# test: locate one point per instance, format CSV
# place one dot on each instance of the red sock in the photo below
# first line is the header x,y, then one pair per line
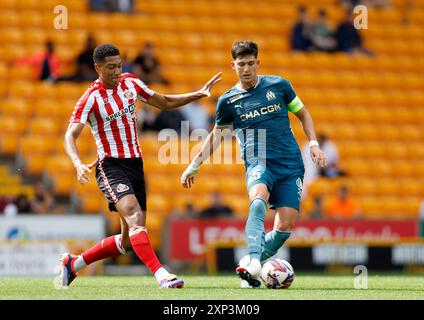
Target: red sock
x,y
107,248
142,247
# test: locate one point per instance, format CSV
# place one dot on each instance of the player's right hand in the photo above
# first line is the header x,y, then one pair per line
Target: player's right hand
x,y
187,178
82,170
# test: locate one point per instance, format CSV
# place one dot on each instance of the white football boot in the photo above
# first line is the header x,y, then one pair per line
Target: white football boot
x,y
249,270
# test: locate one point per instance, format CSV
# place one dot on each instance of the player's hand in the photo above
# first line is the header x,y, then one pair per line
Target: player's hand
x,y
82,170
318,157
187,178
206,90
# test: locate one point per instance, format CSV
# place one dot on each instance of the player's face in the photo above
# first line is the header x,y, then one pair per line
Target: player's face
x,y
246,69
110,70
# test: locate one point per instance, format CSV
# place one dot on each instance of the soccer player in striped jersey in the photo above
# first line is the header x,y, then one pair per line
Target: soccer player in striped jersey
x,y
257,109
108,107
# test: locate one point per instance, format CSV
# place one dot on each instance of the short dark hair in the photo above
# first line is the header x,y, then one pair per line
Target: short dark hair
x,y
241,49
104,50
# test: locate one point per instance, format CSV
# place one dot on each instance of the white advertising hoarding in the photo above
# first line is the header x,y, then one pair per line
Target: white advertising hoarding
x,y
32,245
52,227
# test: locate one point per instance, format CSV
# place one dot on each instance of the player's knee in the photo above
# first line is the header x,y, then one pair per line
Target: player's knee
x,y
136,219
285,226
133,214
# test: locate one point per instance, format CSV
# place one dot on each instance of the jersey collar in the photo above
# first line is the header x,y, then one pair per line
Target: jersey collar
x,y
239,88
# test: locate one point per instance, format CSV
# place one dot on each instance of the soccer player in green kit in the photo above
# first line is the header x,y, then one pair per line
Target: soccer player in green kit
x,y
256,108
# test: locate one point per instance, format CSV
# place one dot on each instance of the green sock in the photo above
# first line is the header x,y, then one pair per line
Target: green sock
x,y
255,227
273,241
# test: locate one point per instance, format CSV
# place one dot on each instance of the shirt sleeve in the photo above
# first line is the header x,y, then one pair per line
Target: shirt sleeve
x,y
293,102
222,117
83,108
144,93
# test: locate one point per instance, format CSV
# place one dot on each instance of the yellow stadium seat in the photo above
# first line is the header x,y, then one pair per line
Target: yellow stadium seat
x,y
92,203
403,169
35,163
16,108
371,207
411,187
9,19
12,125
7,4
375,150
362,187
411,133
415,151
60,164
39,145
9,144
62,183
46,127
89,188
386,187
158,183
157,203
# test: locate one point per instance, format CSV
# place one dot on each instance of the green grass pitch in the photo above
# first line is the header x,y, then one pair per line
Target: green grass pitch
x,y
223,287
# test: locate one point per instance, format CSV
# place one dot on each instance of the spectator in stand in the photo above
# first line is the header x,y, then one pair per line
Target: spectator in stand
x,y
45,63
196,115
300,36
343,206
85,65
188,212
322,37
348,38
146,66
217,209
332,170
112,5
146,118
44,201
21,205
170,119
350,4
126,64
317,211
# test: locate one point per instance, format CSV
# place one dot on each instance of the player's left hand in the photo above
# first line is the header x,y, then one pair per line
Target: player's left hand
x,y
318,157
206,90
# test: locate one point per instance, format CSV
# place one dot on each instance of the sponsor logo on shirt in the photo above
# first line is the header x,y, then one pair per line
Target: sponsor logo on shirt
x,y
261,111
120,113
235,98
128,94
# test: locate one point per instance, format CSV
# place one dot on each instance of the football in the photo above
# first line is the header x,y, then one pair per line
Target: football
x,y
277,274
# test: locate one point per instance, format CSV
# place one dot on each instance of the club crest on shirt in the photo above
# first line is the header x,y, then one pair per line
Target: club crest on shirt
x,y
128,94
270,95
105,100
122,187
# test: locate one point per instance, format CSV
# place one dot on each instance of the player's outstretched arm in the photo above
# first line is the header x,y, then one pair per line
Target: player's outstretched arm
x,y
211,143
71,136
171,101
317,155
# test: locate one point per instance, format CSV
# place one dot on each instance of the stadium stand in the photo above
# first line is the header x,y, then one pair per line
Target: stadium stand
x,y
371,107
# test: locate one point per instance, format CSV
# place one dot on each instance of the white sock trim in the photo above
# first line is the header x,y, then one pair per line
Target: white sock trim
x,y
135,230
79,263
161,274
118,242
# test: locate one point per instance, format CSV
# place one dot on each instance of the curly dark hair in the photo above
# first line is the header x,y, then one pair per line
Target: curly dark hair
x,y
104,50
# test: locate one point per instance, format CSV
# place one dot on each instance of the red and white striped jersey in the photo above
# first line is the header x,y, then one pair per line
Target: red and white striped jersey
x,y
111,114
